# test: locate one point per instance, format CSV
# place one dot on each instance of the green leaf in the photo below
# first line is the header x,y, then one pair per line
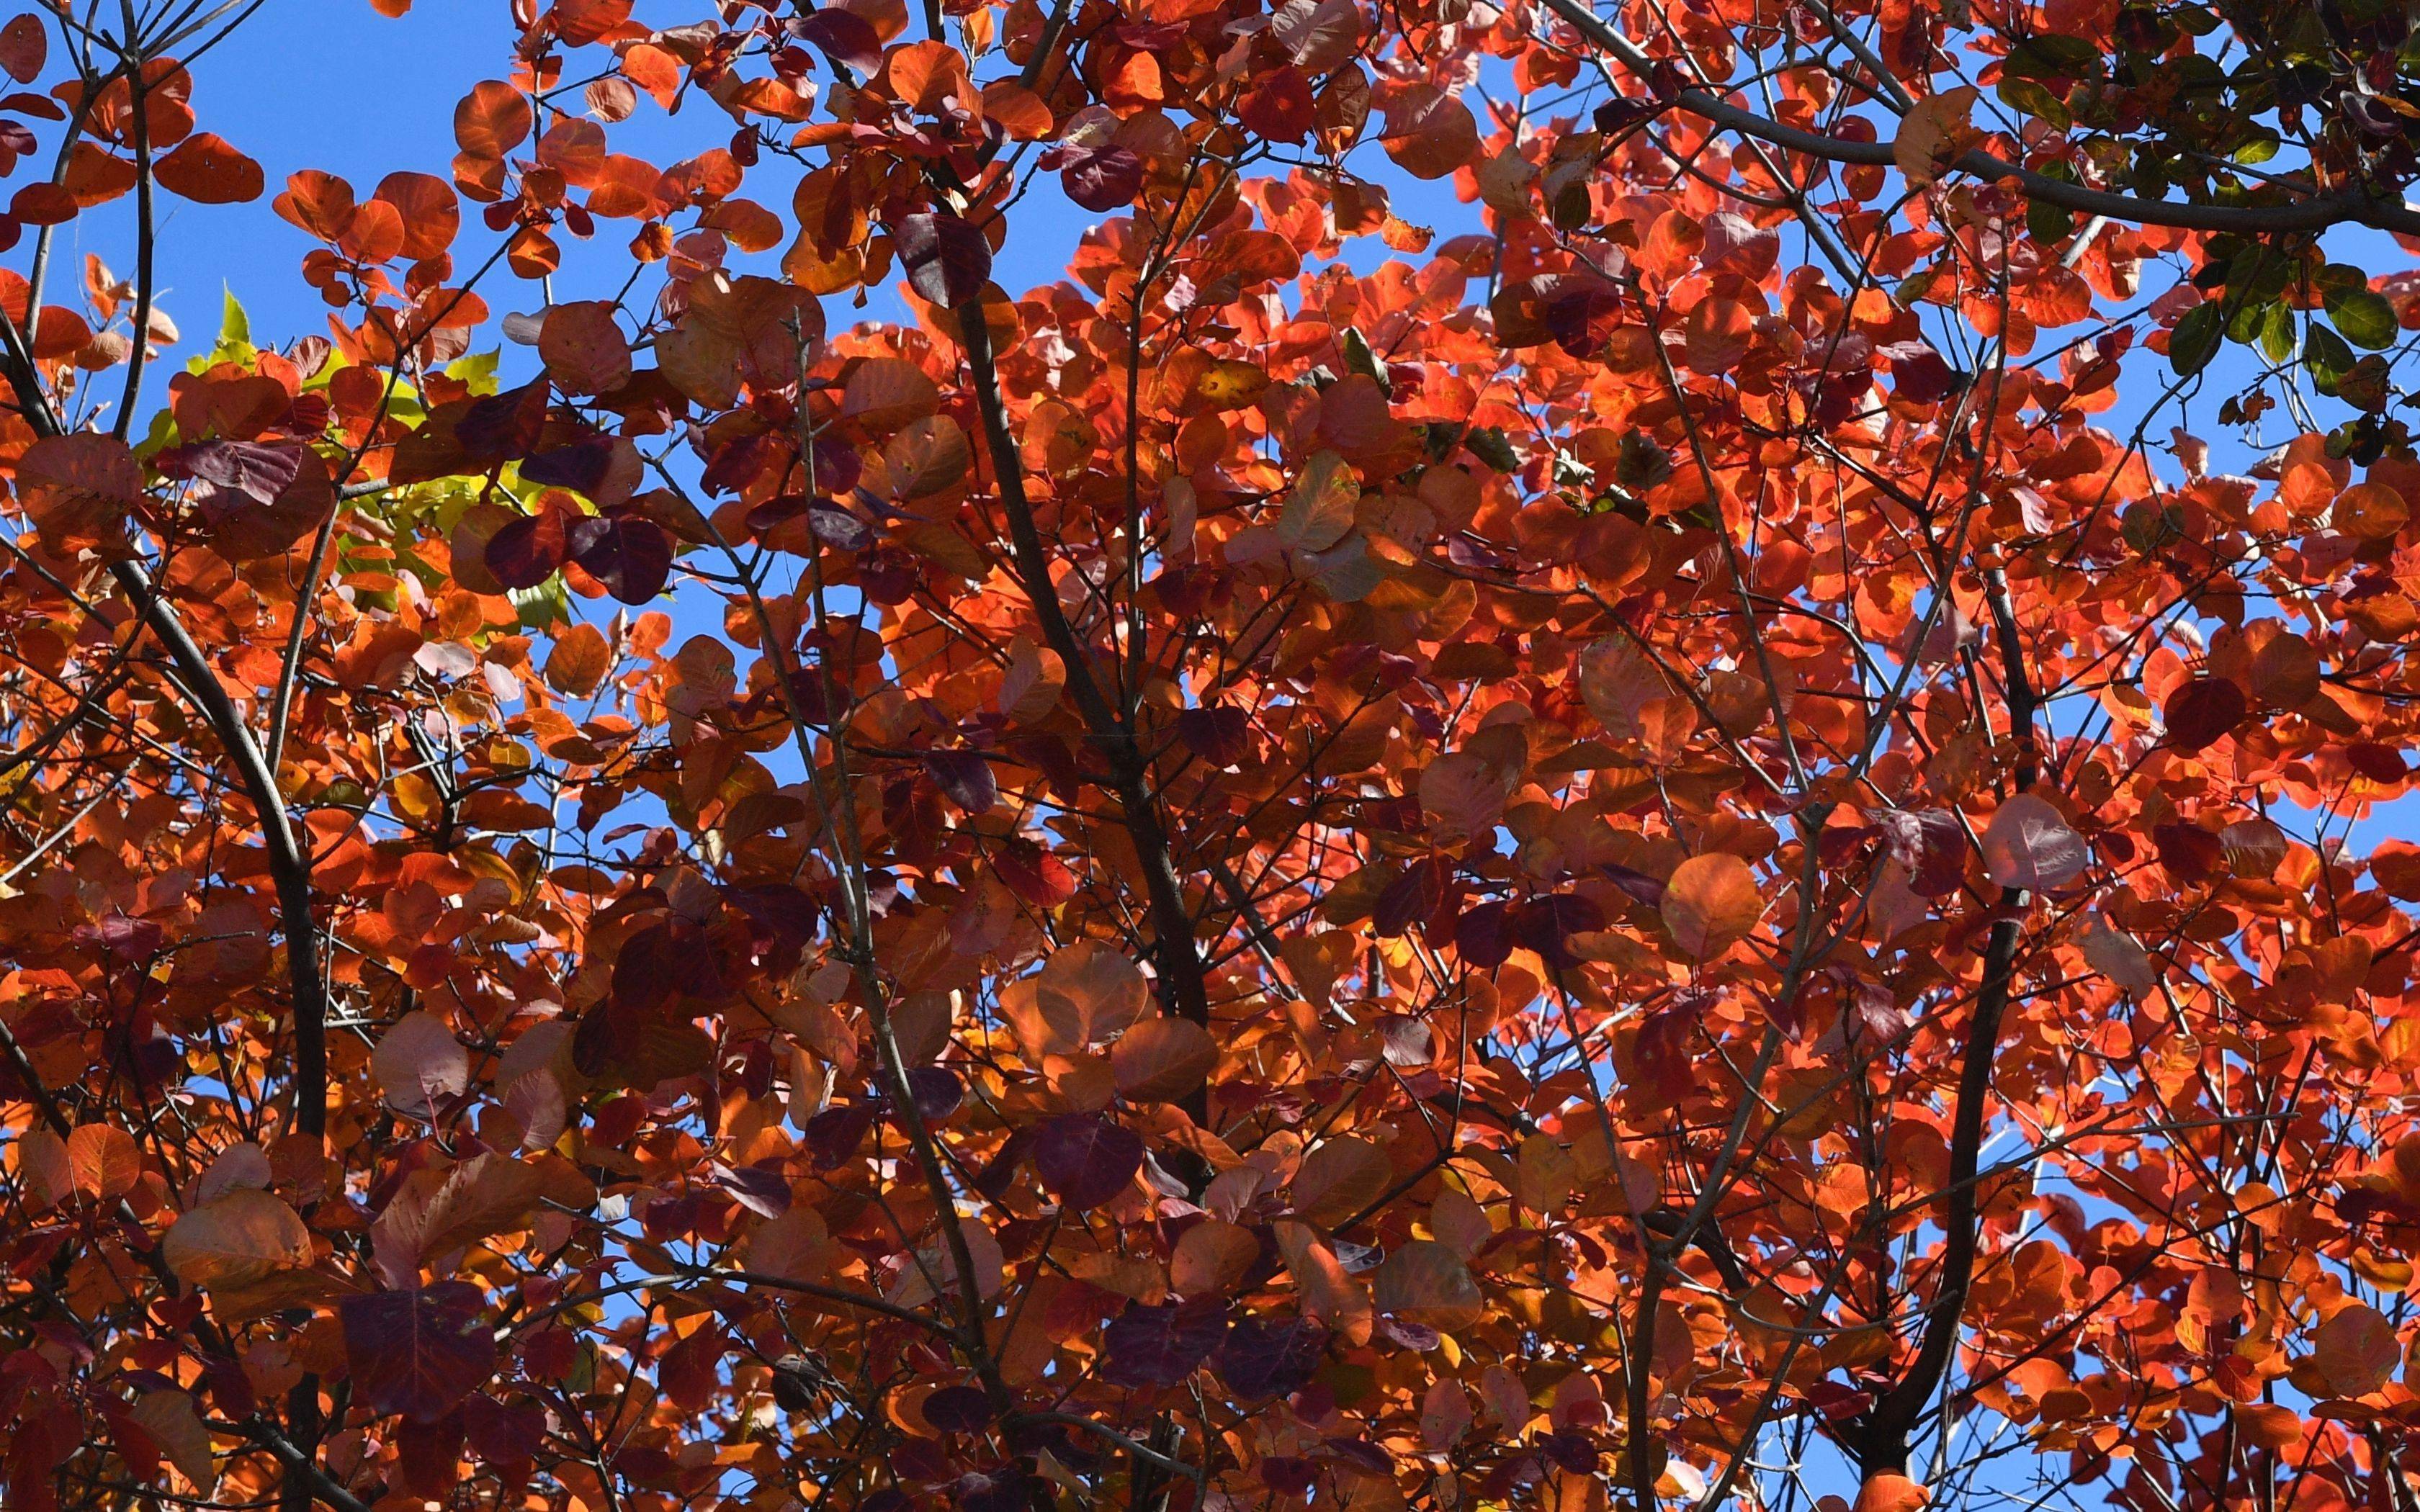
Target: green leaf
x,y
234,339
2277,341
2326,356
2047,223
2195,339
2365,316
235,327
2035,98
547,604
1359,357
1488,444
2046,56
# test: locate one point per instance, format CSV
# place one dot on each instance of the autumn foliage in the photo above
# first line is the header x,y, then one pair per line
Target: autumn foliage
x,y
1634,758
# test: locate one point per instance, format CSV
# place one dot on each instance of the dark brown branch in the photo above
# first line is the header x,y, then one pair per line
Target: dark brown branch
x,y
1882,1438
289,864
1183,984
2358,206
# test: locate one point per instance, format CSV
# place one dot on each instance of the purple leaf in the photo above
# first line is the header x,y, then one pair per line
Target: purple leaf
x,y
632,558
946,257
420,1351
1085,1159
1637,884
1546,925
936,1092
257,470
848,39
1161,1346
966,777
1929,843
580,464
833,1135
959,1410
1363,1456
1581,316
526,551
1483,936
764,1193
503,427
1100,179
1263,1359
1413,896
1218,735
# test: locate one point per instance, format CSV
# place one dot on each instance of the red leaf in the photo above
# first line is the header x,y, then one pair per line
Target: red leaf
x,y
23,48
420,1351
2204,712
945,256
632,558
207,170
1085,1161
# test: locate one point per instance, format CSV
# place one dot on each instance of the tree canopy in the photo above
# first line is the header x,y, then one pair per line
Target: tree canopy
x,y
1636,755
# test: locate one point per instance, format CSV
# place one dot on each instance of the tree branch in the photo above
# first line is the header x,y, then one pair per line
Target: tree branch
x,y
2354,206
1184,985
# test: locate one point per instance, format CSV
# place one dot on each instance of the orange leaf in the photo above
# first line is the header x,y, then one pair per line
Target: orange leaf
x,y
1711,903
207,170
104,1161
432,215
1891,1492
492,120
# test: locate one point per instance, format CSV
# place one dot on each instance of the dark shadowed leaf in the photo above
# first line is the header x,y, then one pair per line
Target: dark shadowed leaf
x,y
1217,733
420,1351
1259,1358
764,1193
1546,925
2204,712
937,1090
959,1410
945,258
1085,1161
1482,936
527,550
1160,1346
632,558
503,427
966,777
845,36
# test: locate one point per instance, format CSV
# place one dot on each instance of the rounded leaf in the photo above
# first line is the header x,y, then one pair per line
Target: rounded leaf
x,y
2371,511
492,120
2204,712
1891,1492
584,347
1162,1059
419,1064
104,1161
2356,1351
1429,1283
1085,1161
2030,846
207,170
1711,903
242,1237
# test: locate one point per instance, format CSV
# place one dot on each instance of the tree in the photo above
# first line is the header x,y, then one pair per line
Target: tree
x,y
1647,855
